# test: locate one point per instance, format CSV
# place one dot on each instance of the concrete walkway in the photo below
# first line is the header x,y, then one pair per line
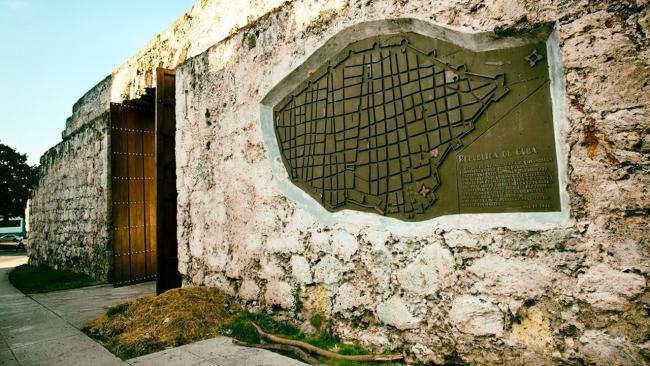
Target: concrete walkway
x,y
83,305
30,334
215,351
44,329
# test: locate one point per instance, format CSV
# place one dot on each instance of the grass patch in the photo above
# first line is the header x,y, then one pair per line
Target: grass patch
x,y
240,328
154,323
38,279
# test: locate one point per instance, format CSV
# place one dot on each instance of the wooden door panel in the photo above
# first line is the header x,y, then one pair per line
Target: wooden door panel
x,y
133,170
149,195
168,275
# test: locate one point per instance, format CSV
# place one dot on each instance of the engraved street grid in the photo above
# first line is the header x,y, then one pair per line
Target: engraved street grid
x,y
400,96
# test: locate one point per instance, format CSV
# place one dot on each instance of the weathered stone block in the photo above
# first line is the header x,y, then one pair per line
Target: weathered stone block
x,y
473,315
344,245
605,288
394,312
249,290
349,298
328,271
519,279
279,293
533,330
601,349
431,270
301,270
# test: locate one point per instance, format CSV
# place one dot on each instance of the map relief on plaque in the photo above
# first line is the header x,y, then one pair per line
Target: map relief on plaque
x,y
371,129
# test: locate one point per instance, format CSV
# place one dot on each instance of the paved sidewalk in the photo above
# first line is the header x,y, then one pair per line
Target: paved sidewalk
x,y
11,259
215,351
83,305
44,330
30,334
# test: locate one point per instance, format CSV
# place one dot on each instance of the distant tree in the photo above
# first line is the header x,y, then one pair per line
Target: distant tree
x,y
17,179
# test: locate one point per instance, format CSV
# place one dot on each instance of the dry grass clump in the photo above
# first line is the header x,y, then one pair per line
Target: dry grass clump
x,y
154,323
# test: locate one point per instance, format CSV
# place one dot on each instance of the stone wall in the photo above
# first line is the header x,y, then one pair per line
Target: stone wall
x,y
70,214
69,221
574,294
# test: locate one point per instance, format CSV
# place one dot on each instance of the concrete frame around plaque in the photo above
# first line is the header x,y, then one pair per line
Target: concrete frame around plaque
x,y
393,32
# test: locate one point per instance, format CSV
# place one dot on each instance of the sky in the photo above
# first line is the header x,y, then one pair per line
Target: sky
x,y
53,51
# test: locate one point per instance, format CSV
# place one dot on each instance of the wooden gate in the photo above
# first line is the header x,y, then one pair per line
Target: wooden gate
x,y
144,197
168,275
133,176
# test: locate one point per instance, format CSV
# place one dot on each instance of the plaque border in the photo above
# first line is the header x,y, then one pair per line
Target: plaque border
x,y
477,42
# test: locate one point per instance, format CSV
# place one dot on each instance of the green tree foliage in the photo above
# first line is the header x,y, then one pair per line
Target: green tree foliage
x,y
17,179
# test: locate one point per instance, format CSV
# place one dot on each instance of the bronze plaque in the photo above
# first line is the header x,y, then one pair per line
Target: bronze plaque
x,y
413,127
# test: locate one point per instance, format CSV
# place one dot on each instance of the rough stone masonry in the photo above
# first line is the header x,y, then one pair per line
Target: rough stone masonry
x,y
569,294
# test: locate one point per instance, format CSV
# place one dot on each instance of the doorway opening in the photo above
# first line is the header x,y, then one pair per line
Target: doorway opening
x,y
143,181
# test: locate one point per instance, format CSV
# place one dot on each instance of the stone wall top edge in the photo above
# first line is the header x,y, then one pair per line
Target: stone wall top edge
x,y
50,155
235,32
86,98
85,109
